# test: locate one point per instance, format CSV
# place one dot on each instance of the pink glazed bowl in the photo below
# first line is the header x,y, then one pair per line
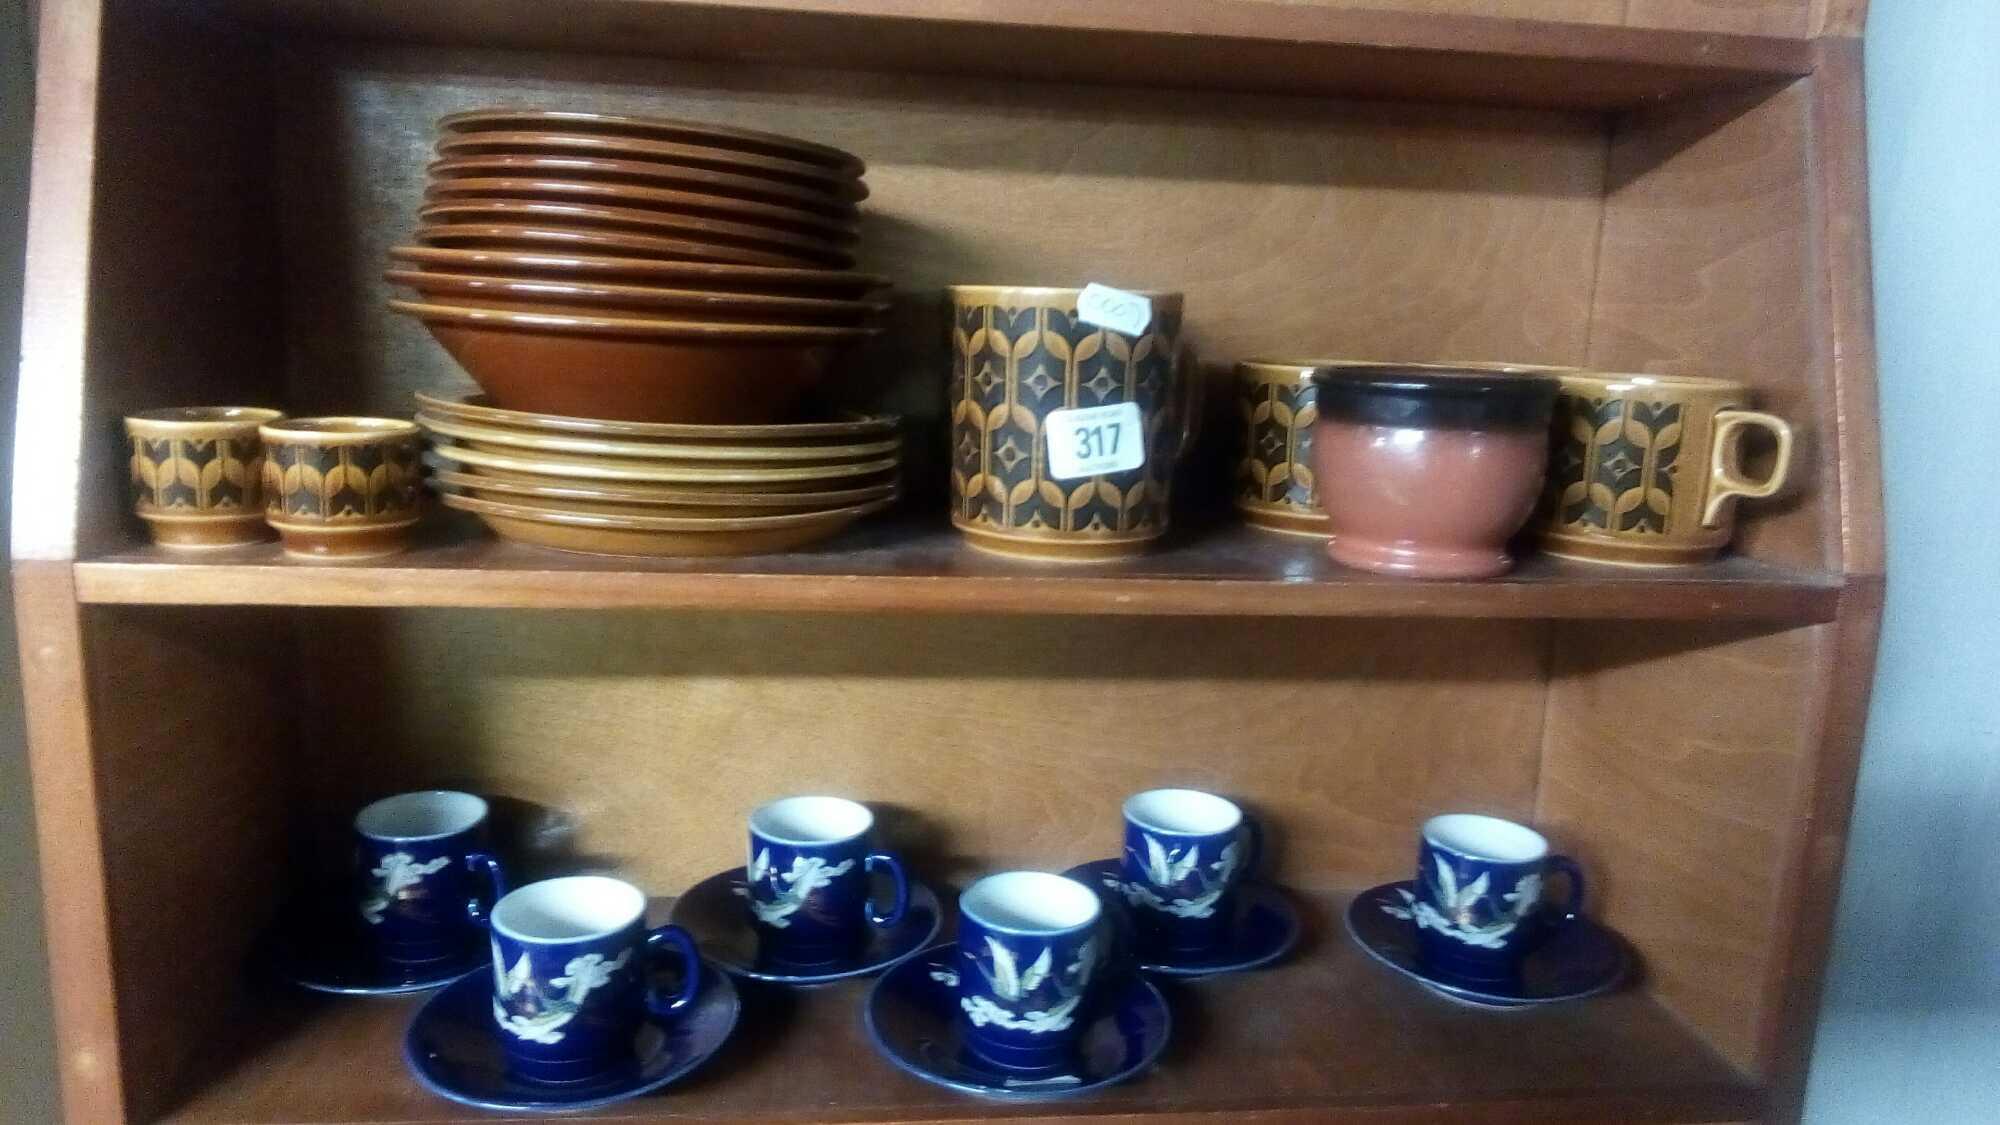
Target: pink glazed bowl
x,y
1427,472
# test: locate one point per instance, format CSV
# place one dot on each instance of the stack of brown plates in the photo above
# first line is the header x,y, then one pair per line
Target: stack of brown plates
x,y
634,488
638,269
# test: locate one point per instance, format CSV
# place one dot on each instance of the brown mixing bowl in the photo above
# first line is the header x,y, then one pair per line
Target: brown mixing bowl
x,y
641,173
631,369
654,128
514,236
640,221
554,189
718,277
797,173
557,295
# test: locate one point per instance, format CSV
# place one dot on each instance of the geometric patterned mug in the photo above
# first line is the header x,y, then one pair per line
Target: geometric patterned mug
x,y
1020,353
1645,470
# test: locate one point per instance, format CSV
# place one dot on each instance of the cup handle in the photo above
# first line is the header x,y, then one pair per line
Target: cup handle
x,y
1573,906
657,943
1724,482
894,915
481,861
1192,400
1253,835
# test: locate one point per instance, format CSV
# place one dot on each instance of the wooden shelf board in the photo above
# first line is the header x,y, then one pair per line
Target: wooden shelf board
x,y
1223,44
1329,1035
922,566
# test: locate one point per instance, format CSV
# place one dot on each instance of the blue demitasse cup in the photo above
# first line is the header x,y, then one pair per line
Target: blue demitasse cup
x,y
808,878
416,855
1186,852
1029,945
1478,905
570,981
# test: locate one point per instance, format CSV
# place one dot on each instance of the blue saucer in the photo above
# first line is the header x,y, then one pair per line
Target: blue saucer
x,y
1265,929
454,1051
713,911
1580,959
327,950
912,1019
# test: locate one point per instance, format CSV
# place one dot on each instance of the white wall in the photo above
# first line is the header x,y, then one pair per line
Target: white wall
x,y
1911,1026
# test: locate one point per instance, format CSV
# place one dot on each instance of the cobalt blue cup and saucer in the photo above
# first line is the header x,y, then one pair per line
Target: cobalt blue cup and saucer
x,y
1181,897
805,913
414,918
1476,925
583,1007
1027,1003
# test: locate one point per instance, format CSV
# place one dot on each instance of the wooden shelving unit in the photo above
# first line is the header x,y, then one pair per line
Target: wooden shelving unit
x,y
1666,185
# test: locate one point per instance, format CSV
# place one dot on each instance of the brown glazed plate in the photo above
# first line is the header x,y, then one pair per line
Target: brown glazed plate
x,y
661,199
612,469
627,326
514,236
657,128
478,409
532,212
625,173
812,176
667,537
502,291
595,268
481,437
640,496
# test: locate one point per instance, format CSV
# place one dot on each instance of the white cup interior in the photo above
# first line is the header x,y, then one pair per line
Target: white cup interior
x,y
811,820
1182,812
573,908
1486,837
1029,902
424,815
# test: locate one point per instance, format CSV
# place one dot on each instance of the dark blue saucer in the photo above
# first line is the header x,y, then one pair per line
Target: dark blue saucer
x,y
326,949
454,1051
1265,928
713,910
912,1019
1582,958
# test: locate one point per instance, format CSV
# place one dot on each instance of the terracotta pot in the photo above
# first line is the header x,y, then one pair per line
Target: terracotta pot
x,y
477,409
650,223
635,370
654,128
1427,472
798,173
645,173
707,276
531,294
556,189
515,236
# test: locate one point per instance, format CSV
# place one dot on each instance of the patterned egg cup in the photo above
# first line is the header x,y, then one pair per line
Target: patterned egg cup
x,y
198,474
342,488
1021,353
1645,470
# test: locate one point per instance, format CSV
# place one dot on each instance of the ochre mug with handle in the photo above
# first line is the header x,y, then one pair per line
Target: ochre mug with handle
x,y
1646,470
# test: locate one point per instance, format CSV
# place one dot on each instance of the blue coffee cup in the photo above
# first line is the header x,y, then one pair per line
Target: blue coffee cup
x,y
1186,853
416,855
807,879
570,975
1478,904
1029,946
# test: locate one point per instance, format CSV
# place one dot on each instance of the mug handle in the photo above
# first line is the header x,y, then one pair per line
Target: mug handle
x,y
1724,482
1573,907
894,915
657,943
483,861
1253,833
1192,400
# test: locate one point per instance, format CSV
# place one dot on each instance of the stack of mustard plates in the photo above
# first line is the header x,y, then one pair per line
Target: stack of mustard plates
x,y
660,489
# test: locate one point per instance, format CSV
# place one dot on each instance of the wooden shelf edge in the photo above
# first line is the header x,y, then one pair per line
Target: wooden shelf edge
x,y
1226,44
911,567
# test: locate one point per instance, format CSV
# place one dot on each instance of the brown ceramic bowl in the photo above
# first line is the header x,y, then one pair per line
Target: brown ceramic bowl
x,y
479,410
717,277
660,537
529,294
536,142
637,370
613,172
655,128
807,249
554,189
1427,472
513,236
